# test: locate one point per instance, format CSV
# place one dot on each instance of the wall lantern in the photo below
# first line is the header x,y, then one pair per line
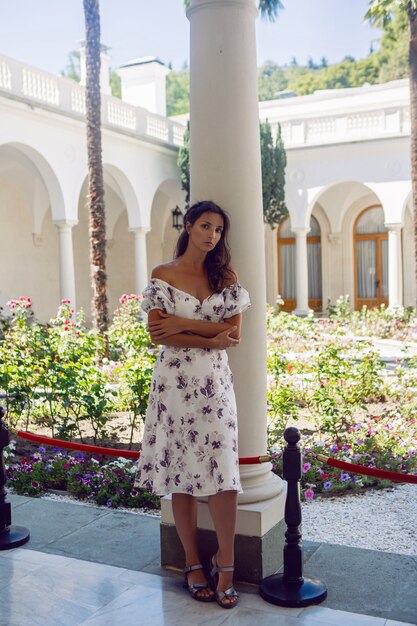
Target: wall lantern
x,y
176,218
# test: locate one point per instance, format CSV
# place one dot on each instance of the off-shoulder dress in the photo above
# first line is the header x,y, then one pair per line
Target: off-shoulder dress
x,y
190,436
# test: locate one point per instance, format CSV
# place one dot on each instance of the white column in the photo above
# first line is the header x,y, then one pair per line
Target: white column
x,y
301,271
141,262
271,264
66,262
225,167
395,286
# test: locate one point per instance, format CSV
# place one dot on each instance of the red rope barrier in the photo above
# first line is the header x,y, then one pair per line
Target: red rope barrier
x,y
83,447
397,477
128,454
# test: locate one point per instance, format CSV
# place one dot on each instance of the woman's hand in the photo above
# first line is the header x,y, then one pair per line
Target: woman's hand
x,y
223,340
165,326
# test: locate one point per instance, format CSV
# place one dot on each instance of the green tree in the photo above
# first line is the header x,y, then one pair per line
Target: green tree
x,y
115,84
184,165
271,80
267,8
72,69
273,163
382,13
178,92
95,196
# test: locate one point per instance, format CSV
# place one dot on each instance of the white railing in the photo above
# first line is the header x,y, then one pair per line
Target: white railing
x,y
370,124
67,96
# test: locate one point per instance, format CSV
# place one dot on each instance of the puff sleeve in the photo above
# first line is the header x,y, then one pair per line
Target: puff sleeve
x,y
236,300
158,295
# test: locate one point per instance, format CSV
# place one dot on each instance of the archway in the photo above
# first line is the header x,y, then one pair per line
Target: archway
x,y
29,257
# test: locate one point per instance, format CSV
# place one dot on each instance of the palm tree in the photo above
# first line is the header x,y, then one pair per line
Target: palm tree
x,y
97,220
379,13
267,8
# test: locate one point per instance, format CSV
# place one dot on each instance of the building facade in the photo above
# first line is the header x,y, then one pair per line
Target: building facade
x,y
348,191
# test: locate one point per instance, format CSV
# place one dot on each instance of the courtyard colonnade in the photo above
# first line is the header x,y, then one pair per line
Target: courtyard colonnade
x,y
347,151
44,251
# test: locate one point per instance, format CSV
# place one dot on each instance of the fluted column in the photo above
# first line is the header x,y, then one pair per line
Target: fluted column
x,y
301,271
395,285
225,167
66,262
141,262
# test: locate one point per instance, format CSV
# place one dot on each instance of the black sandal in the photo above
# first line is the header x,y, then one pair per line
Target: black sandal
x,y
196,588
222,595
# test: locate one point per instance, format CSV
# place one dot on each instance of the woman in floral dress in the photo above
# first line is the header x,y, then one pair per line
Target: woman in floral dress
x,y
189,449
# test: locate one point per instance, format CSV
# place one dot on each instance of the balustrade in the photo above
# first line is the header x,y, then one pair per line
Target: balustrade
x,y
68,96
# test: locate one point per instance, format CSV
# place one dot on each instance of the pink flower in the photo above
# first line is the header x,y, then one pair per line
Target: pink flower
x,y
309,494
306,467
66,301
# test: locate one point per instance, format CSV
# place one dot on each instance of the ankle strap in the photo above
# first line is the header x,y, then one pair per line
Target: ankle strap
x,y
192,568
225,569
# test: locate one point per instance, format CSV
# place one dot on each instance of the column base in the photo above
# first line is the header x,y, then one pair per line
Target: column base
x,y
302,312
258,545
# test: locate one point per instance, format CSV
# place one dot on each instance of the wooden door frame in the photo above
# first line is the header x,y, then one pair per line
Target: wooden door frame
x,y
290,304
378,238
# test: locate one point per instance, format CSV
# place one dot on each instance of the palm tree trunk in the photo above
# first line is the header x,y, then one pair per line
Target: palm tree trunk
x,y
95,197
412,21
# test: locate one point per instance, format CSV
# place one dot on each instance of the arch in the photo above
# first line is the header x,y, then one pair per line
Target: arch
x,y
162,236
116,180
36,163
120,183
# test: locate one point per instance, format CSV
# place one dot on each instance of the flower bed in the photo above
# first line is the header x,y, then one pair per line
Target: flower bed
x,y
321,378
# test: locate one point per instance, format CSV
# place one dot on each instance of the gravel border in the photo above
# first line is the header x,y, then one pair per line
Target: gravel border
x,y
383,520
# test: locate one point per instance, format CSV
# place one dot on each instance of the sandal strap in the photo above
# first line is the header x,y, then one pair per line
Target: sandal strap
x,y
215,568
192,568
194,588
227,593
230,568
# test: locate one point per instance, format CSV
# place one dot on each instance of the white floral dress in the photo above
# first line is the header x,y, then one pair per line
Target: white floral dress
x,y
190,438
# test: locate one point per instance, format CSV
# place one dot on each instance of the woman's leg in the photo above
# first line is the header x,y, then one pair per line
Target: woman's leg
x,y
223,510
184,508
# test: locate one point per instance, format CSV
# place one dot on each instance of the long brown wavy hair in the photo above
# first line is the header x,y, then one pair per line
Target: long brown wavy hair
x,y
217,261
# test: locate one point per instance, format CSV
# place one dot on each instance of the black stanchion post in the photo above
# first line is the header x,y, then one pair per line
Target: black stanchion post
x,y
291,588
10,536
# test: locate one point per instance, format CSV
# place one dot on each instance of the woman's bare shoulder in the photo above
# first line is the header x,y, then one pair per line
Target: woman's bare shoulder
x,y
163,271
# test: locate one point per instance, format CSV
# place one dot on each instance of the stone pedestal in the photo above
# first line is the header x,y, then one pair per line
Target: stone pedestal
x,y
258,544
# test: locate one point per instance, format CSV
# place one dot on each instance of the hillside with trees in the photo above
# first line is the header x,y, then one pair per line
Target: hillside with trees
x,y
389,62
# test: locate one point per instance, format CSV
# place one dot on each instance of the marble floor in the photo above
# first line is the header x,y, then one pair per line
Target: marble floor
x,y
39,589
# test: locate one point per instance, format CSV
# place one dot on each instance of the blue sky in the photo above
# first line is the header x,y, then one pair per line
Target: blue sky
x,y
43,32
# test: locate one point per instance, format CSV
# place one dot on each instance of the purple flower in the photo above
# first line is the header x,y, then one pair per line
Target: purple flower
x,y
327,484
344,476
42,450
309,494
109,503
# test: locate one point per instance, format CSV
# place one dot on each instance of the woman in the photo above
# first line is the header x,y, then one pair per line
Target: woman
x,y
189,449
